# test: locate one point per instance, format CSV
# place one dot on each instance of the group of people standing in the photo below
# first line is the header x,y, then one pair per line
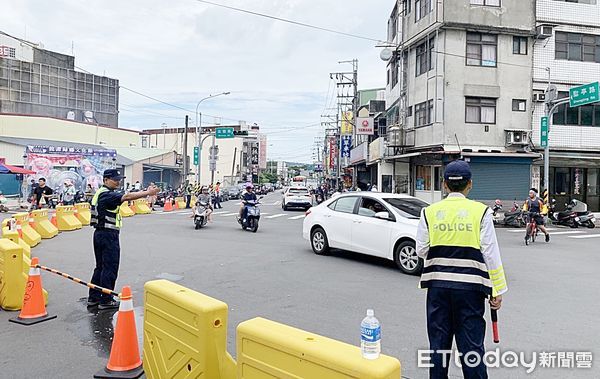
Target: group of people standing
x,y
41,195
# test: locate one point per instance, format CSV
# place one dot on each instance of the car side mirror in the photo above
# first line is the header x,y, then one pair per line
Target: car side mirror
x,y
382,215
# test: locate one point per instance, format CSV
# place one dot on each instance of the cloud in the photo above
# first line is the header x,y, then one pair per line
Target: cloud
x,y
182,50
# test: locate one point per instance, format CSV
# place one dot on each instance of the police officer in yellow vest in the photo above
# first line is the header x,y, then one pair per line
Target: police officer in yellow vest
x,y
457,241
107,221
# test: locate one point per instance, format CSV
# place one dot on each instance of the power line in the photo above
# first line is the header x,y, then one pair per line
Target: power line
x,y
292,22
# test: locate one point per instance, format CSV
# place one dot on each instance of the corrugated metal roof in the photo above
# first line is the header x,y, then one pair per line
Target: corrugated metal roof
x,y
137,154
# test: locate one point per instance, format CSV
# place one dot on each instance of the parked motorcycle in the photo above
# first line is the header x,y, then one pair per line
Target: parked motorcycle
x,y
252,215
514,217
568,217
201,215
496,212
579,213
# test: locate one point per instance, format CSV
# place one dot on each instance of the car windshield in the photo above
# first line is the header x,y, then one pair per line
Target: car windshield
x,y
409,208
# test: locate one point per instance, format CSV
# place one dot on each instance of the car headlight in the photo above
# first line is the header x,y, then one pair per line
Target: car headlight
x,y
577,219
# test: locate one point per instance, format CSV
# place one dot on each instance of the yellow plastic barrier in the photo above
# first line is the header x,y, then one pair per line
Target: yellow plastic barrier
x,y
42,225
13,235
65,218
141,207
125,211
185,334
14,270
30,236
180,202
83,213
267,349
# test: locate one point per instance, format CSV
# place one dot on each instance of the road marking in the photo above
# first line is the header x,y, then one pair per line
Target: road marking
x,y
230,214
220,212
586,236
296,217
570,232
277,215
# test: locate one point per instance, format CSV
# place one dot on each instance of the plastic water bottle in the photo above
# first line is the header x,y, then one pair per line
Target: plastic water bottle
x,y
370,336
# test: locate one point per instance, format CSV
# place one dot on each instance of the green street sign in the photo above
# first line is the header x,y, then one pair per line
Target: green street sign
x,y
196,153
224,132
582,95
544,132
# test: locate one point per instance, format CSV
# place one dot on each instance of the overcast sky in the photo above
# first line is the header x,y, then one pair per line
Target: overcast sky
x,y
180,51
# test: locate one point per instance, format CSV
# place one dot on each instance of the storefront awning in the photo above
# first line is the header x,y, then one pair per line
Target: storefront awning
x,y
402,156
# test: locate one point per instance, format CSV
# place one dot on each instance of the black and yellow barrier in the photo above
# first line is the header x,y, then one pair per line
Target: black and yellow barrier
x,y
42,225
267,349
125,211
180,201
29,235
66,219
185,334
83,213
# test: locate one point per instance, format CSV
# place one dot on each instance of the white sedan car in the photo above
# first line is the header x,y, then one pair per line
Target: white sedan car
x,y
372,223
296,197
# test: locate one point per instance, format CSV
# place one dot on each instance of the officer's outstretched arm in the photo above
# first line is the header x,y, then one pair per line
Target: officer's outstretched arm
x,y
141,194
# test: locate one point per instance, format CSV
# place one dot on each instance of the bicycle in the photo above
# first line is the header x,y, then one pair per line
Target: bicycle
x,y
531,230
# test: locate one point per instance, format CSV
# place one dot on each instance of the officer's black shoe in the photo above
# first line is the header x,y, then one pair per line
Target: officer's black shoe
x,y
92,303
113,304
547,237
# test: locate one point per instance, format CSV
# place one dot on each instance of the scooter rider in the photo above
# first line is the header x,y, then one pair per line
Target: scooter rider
x,y
249,195
535,205
203,197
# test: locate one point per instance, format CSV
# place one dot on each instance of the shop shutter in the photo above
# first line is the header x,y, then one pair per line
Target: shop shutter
x,y
506,181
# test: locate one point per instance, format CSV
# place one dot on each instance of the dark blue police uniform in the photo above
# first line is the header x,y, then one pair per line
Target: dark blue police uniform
x,y
107,221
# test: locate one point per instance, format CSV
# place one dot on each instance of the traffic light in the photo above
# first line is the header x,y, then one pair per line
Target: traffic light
x,y
196,153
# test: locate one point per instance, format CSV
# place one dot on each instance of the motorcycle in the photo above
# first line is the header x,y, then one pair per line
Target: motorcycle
x,y
252,215
495,212
514,217
568,217
577,210
201,215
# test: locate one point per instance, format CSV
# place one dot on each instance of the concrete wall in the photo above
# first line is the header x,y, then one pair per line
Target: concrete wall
x,y
504,82
513,14
12,153
64,130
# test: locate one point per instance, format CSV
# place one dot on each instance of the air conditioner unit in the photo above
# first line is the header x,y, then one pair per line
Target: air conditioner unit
x,y
517,137
539,97
543,31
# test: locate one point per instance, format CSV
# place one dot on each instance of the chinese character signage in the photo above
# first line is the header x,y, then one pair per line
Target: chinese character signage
x,y
7,52
586,94
254,155
262,154
38,149
346,128
346,146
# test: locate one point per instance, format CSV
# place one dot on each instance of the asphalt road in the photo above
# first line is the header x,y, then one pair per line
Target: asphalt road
x,y
551,305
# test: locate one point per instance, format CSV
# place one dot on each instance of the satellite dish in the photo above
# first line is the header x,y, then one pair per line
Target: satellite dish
x,y
386,54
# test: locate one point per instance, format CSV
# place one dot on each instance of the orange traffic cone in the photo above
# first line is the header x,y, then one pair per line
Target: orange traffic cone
x,y
31,220
124,360
34,309
19,229
168,206
176,204
53,220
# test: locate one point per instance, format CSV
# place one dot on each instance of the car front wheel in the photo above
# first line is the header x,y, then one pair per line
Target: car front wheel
x,y
318,241
406,258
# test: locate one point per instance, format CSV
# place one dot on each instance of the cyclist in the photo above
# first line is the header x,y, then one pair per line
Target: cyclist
x,y
536,207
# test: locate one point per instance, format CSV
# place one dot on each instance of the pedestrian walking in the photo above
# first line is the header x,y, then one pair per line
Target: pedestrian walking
x,y
188,189
41,194
68,195
457,241
106,219
218,196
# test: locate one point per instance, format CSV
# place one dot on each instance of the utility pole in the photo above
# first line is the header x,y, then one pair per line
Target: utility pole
x,y
185,145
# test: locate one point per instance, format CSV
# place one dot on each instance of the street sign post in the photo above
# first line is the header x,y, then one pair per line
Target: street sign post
x,y
582,95
196,153
224,132
544,132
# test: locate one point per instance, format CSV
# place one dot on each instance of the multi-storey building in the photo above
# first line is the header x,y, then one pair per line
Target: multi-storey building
x,y
459,85
566,53
38,82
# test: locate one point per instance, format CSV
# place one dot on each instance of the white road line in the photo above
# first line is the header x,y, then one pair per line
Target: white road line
x,y
296,217
229,214
586,236
569,232
523,230
220,212
277,215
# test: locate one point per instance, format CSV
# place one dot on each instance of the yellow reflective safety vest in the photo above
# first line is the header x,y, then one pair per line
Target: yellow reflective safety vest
x,y
454,259
104,218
